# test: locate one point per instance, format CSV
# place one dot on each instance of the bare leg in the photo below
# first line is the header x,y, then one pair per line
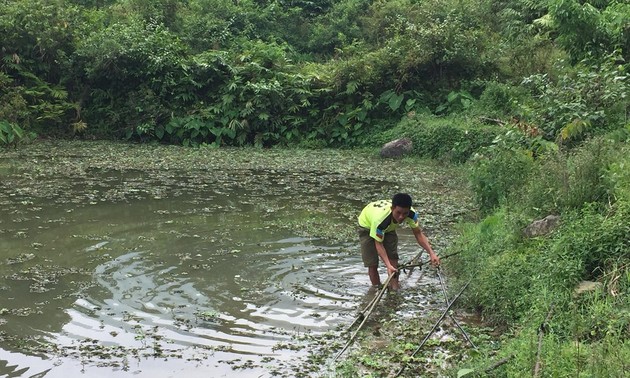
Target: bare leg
x,y
394,284
374,277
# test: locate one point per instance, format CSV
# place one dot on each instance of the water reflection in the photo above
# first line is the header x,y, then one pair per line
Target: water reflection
x,y
129,275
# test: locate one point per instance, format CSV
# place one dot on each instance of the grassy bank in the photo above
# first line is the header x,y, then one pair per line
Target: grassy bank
x,y
535,287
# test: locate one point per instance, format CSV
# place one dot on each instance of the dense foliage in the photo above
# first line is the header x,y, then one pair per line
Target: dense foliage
x,y
533,94
519,279
327,73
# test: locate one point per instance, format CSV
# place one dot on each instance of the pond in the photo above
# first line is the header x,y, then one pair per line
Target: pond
x,y
123,260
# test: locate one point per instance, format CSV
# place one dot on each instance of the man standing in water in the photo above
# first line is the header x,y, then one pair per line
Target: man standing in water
x,y
377,233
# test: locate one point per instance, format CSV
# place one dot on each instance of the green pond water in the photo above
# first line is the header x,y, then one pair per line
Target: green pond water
x,y
131,260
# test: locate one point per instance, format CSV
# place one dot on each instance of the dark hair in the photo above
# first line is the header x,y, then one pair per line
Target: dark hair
x,y
402,200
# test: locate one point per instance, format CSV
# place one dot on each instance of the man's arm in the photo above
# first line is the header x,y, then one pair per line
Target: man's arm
x,y
380,249
423,241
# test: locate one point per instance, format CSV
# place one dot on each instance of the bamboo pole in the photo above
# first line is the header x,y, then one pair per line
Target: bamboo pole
x,y
499,363
367,311
416,262
374,302
361,315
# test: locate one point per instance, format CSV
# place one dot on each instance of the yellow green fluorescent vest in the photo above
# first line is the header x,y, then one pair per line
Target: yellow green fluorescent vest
x,y
377,217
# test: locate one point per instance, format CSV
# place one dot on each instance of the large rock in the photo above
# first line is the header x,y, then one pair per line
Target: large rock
x,y
397,148
542,226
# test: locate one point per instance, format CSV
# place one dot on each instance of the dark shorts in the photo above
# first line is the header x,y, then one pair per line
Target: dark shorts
x,y
368,249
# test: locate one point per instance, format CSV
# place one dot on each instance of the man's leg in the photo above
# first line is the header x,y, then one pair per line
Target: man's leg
x,y
394,284
391,246
369,256
375,279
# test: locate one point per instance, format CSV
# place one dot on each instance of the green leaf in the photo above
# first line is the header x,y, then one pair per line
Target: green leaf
x,y
169,128
5,127
194,124
395,101
464,372
159,132
352,87
385,96
18,131
410,103
230,133
361,115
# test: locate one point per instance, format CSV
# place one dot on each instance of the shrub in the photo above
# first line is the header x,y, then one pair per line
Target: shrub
x,y
597,239
13,105
499,176
132,71
617,172
591,27
449,138
516,281
584,101
338,27
501,264
501,100
568,180
512,274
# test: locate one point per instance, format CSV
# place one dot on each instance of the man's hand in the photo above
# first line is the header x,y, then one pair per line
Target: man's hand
x,y
435,260
424,243
391,270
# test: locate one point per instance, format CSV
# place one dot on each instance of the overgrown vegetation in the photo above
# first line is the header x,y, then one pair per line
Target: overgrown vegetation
x,y
332,73
532,94
518,278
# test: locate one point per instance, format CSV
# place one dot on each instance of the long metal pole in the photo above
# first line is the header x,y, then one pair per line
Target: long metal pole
x,y
451,316
413,263
448,308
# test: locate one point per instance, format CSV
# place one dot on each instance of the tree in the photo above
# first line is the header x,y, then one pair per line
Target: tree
x,y
593,27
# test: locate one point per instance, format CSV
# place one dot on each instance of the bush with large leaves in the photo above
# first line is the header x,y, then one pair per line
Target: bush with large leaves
x,y
134,74
37,39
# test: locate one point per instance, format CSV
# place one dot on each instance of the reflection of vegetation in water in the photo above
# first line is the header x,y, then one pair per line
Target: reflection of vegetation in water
x,y
93,189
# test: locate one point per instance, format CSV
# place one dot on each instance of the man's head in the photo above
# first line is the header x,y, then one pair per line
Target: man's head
x,y
401,205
